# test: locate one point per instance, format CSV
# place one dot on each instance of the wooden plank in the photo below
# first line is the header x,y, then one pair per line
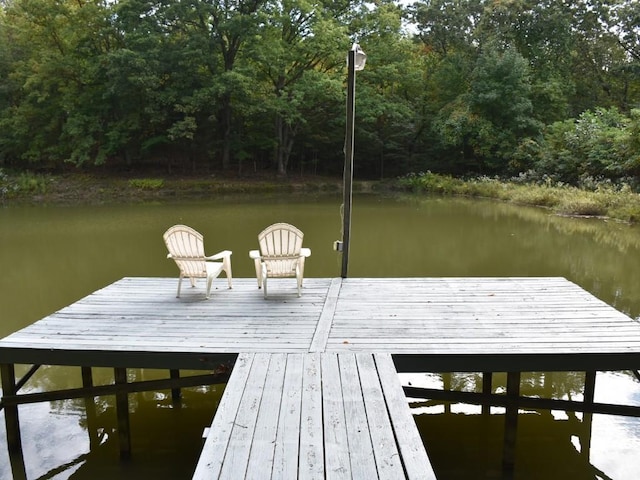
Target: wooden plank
x,y
261,456
311,453
336,443
242,432
215,446
321,335
360,448
286,454
414,456
388,461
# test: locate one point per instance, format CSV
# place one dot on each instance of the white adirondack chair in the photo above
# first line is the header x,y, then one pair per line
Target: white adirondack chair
x,y
186,248
280,255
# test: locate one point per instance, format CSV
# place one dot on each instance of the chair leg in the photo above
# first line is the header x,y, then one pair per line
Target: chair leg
x,y
264,286
301,269
258,265
227,269
179,284
209,282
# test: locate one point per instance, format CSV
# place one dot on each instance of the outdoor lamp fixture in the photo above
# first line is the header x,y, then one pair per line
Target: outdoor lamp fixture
x,y
356,60
360,59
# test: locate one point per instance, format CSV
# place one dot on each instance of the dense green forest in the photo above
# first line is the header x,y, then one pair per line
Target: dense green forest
x,y
527,88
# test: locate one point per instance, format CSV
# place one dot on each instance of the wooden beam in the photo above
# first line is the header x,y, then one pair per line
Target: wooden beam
x,y
11,418
487,389
323,328
116,358
122,412
510,427
176,394
101,390
475,398
587,418
25,378
90,408
12,423
496,362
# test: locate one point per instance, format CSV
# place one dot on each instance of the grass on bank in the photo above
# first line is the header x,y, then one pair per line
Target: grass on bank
x,y
600,199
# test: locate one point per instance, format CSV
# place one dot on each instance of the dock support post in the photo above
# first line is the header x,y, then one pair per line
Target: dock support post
x,y
90,408
446,386
12,422
587,416
122,411
487,388
511,426
11,418
176,394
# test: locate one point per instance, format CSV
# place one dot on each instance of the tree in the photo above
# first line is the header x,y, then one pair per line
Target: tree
x,y
298,40
56,113
494,116
599,143
389,94
446,26
230,24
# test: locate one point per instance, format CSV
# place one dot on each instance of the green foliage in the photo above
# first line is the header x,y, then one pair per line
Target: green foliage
x,y
599,143
23,183
489,120
606,199
146,183
428,182
259,85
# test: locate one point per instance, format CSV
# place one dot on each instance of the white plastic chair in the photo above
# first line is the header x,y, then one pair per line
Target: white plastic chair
x,y
186,248
280,255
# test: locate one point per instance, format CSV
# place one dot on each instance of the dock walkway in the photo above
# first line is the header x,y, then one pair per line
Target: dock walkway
x,y
333,416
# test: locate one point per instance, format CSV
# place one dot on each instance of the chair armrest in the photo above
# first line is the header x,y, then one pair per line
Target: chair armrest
x,y
169,255
220,255
254,254
305,252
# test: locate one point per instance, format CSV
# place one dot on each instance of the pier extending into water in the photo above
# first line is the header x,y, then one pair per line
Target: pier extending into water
x,y
333,354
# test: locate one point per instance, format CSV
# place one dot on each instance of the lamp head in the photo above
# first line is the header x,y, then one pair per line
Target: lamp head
x,y
359,56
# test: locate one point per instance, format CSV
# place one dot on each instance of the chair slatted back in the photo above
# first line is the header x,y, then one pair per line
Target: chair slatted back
x,y
280,246
186,247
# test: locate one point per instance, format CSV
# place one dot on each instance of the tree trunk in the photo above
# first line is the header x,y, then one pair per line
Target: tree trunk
x,y
225,121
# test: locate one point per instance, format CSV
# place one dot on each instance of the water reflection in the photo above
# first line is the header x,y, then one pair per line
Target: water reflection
x,y
78,438
550,443
54,256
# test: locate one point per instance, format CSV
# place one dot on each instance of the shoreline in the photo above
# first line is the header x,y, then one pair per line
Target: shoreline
x,y
87,189
607,202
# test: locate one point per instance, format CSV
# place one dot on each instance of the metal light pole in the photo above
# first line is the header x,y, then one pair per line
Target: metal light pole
x,y
356,60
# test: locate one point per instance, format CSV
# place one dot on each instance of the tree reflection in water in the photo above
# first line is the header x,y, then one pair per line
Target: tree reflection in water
x,y
551,444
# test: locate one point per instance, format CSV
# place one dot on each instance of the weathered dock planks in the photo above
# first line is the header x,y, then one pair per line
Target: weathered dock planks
x,y
324,416
463,323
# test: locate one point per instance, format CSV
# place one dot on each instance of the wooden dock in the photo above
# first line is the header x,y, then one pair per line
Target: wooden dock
x,y
321,415
423,324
